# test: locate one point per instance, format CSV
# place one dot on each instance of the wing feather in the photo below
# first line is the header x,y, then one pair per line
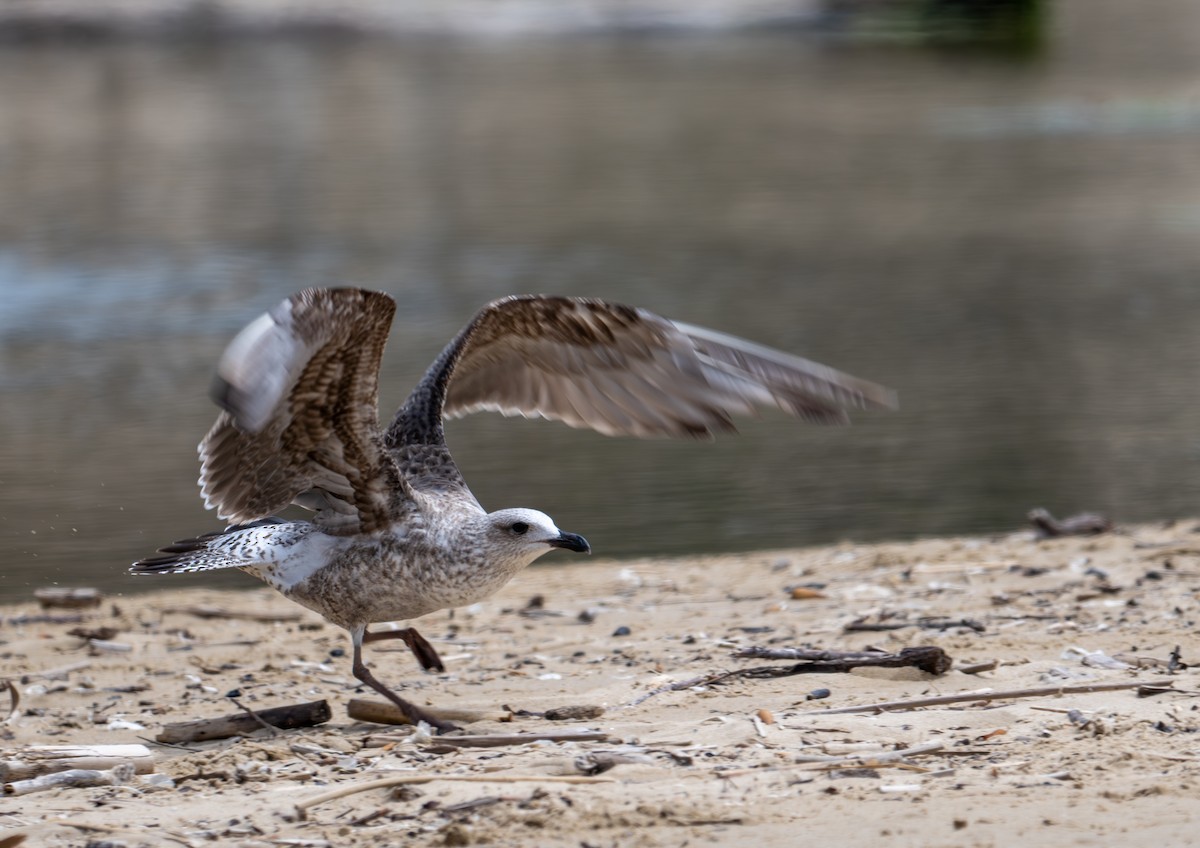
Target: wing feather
x,y
618,370
299,390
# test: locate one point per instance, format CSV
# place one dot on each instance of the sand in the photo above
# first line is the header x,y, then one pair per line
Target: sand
x,y
719,764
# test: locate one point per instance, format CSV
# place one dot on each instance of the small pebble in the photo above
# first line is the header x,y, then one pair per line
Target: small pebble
x,y
817,694
622,631
337,652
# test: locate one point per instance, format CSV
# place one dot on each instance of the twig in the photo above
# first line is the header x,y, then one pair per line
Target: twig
x,y
270,728
303,806
14,695
1038,692
930,659
167,744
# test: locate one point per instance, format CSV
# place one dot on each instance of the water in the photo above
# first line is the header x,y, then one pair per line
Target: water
x,y
1007,241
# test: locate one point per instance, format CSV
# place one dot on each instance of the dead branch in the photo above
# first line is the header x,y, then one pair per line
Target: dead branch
x,y
222,727
974,697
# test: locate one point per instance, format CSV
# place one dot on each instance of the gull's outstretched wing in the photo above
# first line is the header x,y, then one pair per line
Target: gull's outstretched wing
x,y
619,370
300,424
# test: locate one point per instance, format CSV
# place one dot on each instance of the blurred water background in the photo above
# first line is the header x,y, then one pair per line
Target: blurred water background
x,y
1003,230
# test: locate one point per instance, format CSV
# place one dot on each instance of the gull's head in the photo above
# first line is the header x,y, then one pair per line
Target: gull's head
x,y
528,534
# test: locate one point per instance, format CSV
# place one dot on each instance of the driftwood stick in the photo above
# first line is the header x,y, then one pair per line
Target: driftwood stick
x,y
222,727
64,598
400,780
75,778
33,760
382,740
927,623
209,611
1037,692
499,740
22,620
379,712
927,658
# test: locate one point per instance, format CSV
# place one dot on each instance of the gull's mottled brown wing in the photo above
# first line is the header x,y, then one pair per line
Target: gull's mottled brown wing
x,y
618,370
300,423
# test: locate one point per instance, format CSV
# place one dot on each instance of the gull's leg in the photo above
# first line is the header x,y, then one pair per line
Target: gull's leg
x,y
412,711
422,650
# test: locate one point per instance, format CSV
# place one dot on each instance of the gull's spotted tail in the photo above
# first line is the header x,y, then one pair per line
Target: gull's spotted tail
x,y
239,546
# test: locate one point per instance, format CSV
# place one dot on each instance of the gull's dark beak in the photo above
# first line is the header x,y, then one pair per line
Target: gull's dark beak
x,y
572,542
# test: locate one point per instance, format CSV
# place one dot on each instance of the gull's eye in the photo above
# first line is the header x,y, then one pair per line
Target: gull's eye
x,y
520,528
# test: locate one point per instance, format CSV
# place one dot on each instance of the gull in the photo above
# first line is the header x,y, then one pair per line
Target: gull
x,y
395,532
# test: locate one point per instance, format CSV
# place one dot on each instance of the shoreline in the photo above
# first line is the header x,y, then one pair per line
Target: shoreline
x,y
715,761
485,19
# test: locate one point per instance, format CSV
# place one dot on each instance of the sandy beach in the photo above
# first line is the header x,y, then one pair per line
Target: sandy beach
x,y
685,758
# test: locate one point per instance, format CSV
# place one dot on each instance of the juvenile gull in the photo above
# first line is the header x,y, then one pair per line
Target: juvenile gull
x,y
395,532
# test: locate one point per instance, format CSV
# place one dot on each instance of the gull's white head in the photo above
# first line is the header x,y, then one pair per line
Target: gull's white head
x,y
526,534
